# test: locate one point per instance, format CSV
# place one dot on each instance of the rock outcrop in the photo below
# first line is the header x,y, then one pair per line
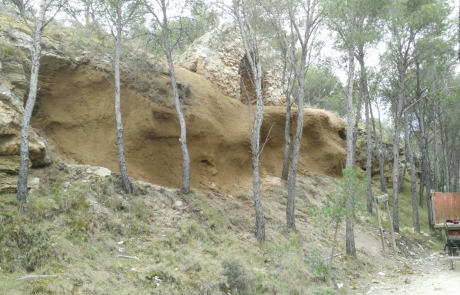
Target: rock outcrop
x,y
13,92
13,88
219,56
387,150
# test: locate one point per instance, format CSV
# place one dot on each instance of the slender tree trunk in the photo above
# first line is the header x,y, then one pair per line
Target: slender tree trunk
x,y
380,155
300,73
369,161
435,152
458,179
350,236
444,143
422,187
355,128
447,168
403,176
255,139
250,47
413,183
290,206
426,166
27,114
442,180
287,137
287,127
397,129
370,148
458,32
418,92
329,266
185,185
454,175
127,186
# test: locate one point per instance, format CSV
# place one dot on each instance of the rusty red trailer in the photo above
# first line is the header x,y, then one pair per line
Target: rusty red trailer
x,y
445,216
444,206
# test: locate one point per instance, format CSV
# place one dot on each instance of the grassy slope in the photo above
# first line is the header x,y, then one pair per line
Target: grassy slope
x,y
187,243
198,244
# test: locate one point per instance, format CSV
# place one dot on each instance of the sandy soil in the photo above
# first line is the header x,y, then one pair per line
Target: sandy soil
x,y
76,113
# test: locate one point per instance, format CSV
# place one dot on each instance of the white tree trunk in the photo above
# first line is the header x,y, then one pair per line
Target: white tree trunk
x,y
435,151
379,149
426,174
250,47
287,138
255,142
369,158
126,183
26,116
413,183
458,174
365,92
396,138
185,186
290,206
350,235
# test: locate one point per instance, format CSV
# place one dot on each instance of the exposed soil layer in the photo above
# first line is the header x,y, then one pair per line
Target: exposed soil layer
x,y
76,114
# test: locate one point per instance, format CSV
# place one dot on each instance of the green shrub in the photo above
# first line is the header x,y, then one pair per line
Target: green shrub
x,y
23,244
317,264
6,50
240,280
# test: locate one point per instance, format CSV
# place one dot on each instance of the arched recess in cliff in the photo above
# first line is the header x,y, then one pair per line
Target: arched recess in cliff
x,y
247,90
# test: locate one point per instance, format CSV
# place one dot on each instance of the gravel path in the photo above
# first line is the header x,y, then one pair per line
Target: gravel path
x,y
425,276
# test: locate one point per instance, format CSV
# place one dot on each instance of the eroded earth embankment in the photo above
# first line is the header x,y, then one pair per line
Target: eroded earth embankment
x,y
76,114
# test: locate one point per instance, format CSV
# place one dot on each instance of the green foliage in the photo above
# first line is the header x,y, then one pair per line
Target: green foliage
x,y
292,265
317,263
350,189
90,37
240,280
23,244
203,18
6,50
323,292
357,22
324,90
182,31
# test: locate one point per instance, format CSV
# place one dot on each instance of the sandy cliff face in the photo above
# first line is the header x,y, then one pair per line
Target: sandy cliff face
x,y
74,112
77,115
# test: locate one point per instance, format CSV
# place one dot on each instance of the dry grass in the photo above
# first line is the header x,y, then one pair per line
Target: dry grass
x,y
76,226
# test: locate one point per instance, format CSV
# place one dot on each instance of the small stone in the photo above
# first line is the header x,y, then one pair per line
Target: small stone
x,y
35,183
178,205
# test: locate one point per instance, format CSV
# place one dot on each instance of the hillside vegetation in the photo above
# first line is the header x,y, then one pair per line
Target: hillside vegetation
x,y
97,240
84,235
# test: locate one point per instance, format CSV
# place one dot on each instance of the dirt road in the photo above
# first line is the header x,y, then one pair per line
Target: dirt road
x,y
430,275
